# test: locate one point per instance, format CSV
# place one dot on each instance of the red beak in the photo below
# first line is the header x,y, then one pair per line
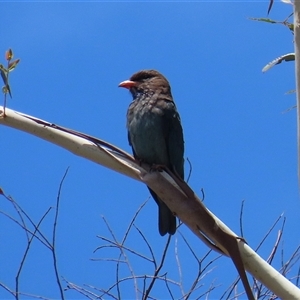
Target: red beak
x,y
127,84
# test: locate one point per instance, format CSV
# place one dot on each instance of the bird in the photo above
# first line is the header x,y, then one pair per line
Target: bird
x,y
155,132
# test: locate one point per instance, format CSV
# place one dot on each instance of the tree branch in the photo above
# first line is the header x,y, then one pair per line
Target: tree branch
x,y
178,196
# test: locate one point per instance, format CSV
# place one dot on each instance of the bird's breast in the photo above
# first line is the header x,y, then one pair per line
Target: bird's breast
x,y
145,128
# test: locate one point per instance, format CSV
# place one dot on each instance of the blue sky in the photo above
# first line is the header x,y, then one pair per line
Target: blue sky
x,y
240,143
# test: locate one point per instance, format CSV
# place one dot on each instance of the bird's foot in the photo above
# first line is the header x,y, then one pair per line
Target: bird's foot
x,y
139,161
157,167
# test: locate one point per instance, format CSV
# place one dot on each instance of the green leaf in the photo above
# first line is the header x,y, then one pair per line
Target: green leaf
x,y
264,20
3,75
290,26
290,92
13,64
276,61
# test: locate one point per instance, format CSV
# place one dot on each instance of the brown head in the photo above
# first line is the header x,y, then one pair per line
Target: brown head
x,y
147,82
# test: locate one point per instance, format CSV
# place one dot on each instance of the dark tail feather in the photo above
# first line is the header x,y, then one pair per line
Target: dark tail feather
x,y
166,219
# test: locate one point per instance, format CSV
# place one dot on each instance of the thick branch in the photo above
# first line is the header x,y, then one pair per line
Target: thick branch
x,y
297,69
175,193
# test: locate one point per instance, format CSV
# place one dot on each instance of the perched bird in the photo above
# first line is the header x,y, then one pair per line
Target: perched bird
x,y
155,132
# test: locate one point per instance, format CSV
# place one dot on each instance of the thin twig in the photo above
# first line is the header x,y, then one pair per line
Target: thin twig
x,y
178,266
26,252
54,237
158,269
